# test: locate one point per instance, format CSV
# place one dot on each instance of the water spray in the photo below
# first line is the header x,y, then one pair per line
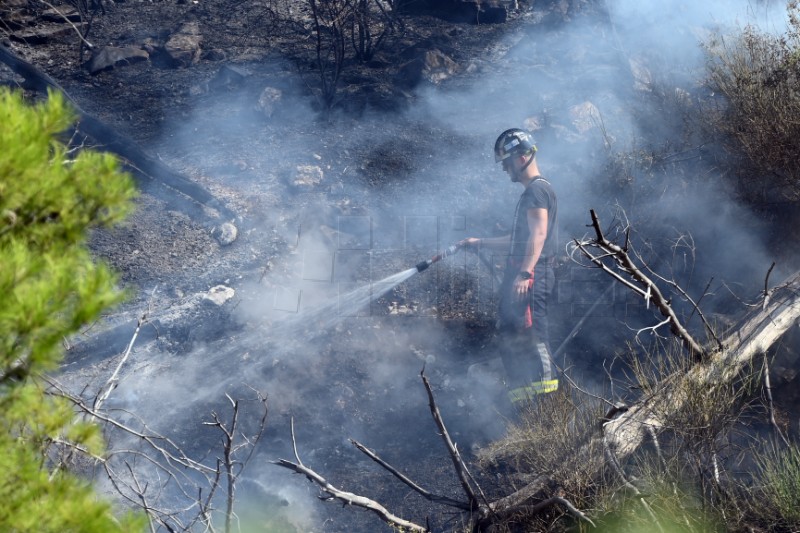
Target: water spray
x,y
436,258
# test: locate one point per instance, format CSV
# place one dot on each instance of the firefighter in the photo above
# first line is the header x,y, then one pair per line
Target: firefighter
x,y
529,280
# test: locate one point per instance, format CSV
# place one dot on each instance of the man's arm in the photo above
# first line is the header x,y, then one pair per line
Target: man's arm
x,y
493,243
537,225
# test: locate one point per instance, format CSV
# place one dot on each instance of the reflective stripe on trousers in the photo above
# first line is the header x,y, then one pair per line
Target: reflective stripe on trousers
x,y
530,391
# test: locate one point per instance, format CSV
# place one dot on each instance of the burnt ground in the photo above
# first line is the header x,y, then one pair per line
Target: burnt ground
x,y
374,213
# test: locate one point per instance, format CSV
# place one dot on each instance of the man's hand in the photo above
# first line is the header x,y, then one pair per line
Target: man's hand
x,y
521,287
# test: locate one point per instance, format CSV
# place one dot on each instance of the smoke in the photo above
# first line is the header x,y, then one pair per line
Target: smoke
x,y
397,189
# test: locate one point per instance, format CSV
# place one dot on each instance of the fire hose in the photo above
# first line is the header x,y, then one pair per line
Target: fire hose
x,y
438,257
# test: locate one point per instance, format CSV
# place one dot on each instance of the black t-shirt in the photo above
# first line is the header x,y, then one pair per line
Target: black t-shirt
x,y
538,194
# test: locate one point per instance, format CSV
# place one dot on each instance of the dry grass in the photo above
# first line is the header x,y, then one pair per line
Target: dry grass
x,y
759,76
545,441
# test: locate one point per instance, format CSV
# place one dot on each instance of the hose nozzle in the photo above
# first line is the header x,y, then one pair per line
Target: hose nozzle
x,y
436,258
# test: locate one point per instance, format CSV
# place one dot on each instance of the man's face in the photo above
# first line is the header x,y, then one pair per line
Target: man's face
x,y
512,166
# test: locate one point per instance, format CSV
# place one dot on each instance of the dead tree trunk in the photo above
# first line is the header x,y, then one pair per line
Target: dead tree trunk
x,y
144,167
752,337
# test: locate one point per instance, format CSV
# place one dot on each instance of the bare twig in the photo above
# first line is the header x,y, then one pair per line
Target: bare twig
x,y
648,289
768,389
89,45
232,466
424,493
695,306
458,462
563,502
653,329
766,286
617,468
106,390
587,393
346,497
171,466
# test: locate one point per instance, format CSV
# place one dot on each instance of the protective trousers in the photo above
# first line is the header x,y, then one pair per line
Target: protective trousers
x,y
524,336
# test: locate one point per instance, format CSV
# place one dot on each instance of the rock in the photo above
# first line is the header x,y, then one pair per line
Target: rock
x,y
183,46
534,123
642,79
229,77
215,54
584,117
43,34
227,234
307,176
431,65
438,66
268,100
109,57
219,295
13,14
62,14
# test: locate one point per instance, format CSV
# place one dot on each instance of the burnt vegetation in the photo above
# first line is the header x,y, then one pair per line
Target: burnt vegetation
x,y
692,422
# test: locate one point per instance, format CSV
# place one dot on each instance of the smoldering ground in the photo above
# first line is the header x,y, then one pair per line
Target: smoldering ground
x,y
396,189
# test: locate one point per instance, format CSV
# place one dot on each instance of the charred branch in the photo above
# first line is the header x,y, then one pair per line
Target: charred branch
x,y
415,487
144,167
626,272
348,498
458,463
143,473
483,514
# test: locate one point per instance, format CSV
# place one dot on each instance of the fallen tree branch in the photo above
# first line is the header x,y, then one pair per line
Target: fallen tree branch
x,y
109,386
458,462
416,488
347,498
753,336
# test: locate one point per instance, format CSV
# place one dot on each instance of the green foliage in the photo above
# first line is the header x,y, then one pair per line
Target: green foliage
x,y
778,494
50,198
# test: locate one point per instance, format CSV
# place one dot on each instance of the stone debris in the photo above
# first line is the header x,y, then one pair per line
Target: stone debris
x,y
219,294
184,46
42,34
307,176
109,57
227,233
268,101
433,66
229,77
584,116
